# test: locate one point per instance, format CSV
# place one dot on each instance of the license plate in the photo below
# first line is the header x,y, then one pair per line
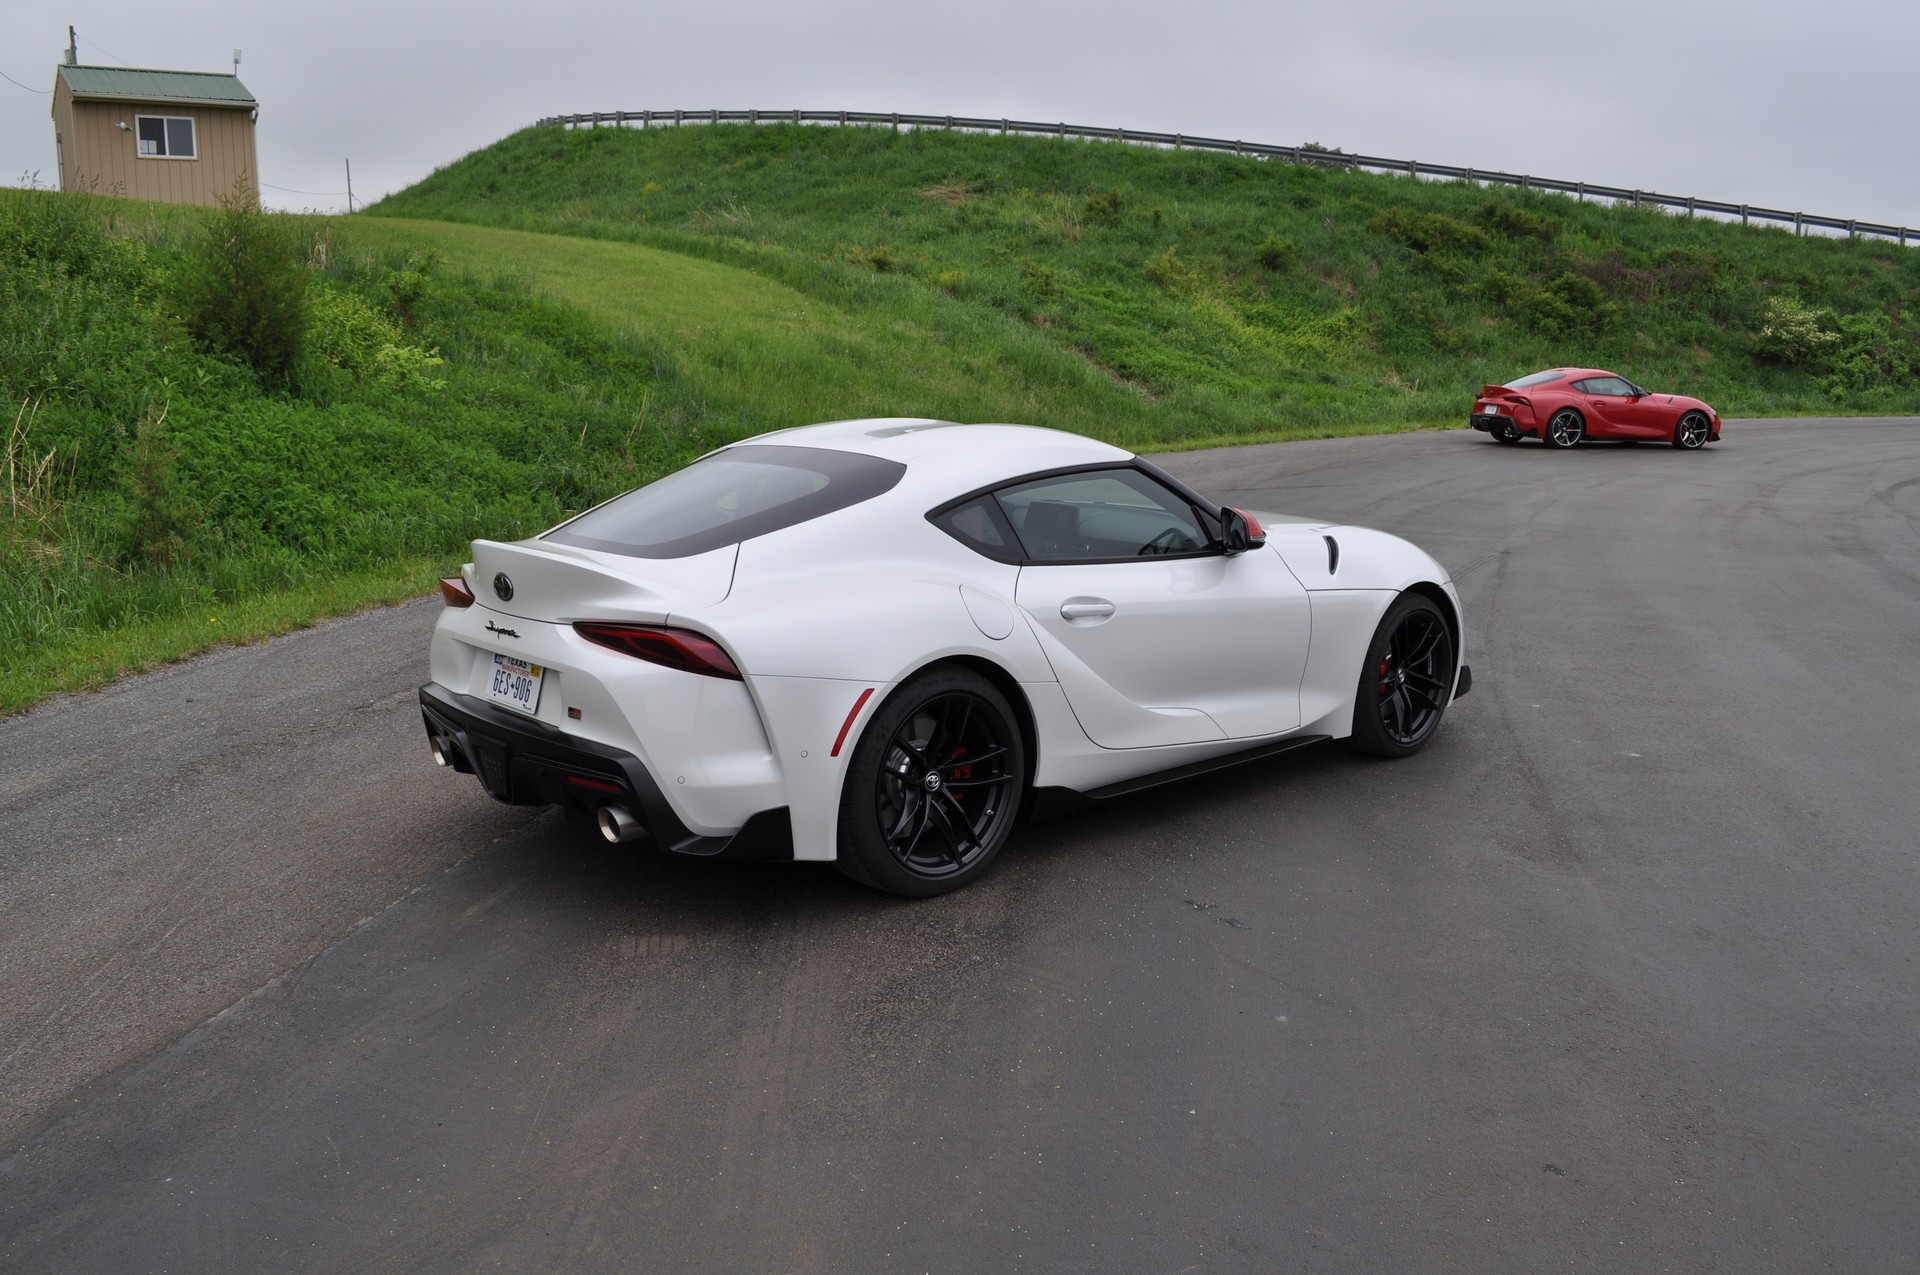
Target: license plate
x,y
1490,410
516,684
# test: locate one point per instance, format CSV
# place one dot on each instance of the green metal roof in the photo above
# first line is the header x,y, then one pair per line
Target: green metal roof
x,y
129,84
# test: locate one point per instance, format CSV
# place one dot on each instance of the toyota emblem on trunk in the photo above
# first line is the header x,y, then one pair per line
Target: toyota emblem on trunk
x,y
502,587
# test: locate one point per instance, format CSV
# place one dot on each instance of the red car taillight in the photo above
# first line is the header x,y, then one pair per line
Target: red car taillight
x,y
683,649
453,591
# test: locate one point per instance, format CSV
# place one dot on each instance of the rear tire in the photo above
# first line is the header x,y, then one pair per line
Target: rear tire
x,y
1406,680
934,786
1565,429
1505,434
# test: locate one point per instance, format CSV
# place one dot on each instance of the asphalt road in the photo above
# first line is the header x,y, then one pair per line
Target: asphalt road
x,y
1620,974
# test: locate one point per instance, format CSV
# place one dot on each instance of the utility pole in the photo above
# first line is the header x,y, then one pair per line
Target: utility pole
x,y
73,48
349,185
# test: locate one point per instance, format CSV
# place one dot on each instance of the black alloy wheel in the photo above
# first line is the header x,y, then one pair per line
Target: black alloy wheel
x,y
1565,429
1692,432
1407,680
934,786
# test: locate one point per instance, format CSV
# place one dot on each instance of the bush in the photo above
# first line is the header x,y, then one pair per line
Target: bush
x,y
160,520
1513,222
242,292
1429,232
1571,306
348,334
1105,207
1276,253
1795,334
1038,282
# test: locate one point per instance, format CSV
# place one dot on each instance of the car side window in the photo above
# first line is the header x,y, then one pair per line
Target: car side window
x,y
1101,516
979,525
1605,385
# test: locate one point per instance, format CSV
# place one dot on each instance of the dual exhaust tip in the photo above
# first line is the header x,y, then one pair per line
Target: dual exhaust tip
x,y
616,823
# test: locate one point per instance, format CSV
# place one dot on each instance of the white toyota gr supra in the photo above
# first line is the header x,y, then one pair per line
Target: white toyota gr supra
x,y
881,642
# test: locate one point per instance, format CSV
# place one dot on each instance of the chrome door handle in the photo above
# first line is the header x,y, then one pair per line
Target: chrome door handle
x,y
1086,609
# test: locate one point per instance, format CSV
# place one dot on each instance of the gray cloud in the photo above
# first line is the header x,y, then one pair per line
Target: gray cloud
x,y
1766,102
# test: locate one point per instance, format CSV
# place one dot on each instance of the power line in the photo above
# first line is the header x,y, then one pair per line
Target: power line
x,y
9,79
286,190
91,45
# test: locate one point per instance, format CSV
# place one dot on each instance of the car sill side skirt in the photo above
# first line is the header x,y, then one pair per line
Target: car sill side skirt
x,y
1050,801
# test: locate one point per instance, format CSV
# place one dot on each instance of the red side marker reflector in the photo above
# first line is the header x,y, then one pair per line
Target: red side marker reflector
x,y
598,785
847,725
453,592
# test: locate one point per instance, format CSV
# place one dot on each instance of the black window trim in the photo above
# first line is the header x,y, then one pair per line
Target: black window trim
x,y
1207,512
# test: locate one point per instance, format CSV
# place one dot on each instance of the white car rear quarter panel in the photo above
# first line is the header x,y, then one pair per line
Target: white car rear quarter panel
x,y
700,737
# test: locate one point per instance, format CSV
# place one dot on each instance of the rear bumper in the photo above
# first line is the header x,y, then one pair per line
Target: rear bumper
x,y
1493,424
524,762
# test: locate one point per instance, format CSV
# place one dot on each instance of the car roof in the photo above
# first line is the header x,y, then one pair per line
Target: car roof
x,y
948,455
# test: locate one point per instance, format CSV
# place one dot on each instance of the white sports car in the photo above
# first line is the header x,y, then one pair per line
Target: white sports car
x,y
881,642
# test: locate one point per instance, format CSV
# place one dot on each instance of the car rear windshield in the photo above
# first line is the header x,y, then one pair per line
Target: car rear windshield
x,y
1538,378
728,497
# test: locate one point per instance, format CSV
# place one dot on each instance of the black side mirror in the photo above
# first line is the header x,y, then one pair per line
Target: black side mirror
x,y
1239,531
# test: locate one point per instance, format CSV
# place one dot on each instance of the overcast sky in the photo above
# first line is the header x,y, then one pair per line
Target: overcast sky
x,y
1769,102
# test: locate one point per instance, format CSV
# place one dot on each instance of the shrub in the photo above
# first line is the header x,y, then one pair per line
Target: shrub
x,y
1571,306
1429,232
359,340
1105,207
1276,253
1038,282
1513,222
1795,334
403,290
159,517
242,292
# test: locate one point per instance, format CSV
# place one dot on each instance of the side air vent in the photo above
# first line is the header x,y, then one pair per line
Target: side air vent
x,y
1333,555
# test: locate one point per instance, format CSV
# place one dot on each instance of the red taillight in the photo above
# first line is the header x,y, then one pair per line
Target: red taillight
x,y
683,649
453,591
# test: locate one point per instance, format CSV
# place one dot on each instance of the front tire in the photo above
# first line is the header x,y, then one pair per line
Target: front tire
x,y
1565,429
1692,432
934,786
1406,681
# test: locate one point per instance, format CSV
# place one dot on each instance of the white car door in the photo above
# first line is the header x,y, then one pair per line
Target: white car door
x,y
1156,635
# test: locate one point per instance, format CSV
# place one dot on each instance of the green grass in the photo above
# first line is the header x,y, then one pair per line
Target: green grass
x,y
566,314
1232,297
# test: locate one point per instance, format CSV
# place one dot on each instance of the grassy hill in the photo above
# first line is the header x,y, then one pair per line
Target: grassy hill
x,y
565,314
1234,297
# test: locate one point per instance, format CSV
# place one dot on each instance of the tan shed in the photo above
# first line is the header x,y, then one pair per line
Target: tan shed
x,y
182,137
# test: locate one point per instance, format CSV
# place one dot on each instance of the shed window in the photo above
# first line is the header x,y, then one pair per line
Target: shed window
x,y
165,136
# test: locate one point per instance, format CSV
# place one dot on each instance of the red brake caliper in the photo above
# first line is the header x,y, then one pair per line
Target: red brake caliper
x,y
960,773
1385,662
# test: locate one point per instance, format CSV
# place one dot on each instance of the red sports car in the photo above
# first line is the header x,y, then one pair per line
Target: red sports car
x,y
1564,405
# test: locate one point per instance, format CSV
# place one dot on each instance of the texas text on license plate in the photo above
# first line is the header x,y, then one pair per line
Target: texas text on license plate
x,y
516,684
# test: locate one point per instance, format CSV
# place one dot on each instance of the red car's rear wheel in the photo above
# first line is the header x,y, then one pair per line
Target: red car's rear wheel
x,y
1565,429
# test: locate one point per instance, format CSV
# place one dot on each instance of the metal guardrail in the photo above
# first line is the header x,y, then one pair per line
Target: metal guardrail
x,y
1747,213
